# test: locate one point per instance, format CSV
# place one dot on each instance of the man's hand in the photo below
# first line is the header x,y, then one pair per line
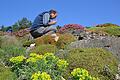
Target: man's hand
x,y
52,22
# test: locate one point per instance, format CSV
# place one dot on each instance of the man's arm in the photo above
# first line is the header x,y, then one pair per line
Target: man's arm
x,y
46,20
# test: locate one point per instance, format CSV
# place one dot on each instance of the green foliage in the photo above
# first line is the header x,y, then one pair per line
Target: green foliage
x,y
82,74
92,59
41,49
6,74
38,67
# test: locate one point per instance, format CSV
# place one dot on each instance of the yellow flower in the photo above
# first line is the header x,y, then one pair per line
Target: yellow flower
x,y
31,59
62,64
17,59
41,76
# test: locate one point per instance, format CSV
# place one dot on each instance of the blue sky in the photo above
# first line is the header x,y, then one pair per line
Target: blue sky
x,y
84,12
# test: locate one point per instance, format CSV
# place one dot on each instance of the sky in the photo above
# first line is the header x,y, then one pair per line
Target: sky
x,y
83,12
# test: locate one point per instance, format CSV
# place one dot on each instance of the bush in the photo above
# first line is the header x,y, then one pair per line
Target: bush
x,y
43,67
64,39
92,59
107,25
41,49
111,30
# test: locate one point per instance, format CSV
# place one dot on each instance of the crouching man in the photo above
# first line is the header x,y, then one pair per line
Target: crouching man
x,y
43,25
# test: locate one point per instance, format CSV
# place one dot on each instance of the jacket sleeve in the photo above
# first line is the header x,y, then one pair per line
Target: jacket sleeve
x,y
46,19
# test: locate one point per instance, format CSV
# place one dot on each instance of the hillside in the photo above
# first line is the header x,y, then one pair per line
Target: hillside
x,y
94,50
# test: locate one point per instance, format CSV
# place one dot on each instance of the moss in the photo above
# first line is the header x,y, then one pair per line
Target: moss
x,y
93,60
6,74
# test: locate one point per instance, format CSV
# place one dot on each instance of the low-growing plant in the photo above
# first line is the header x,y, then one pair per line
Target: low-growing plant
x,y
42,67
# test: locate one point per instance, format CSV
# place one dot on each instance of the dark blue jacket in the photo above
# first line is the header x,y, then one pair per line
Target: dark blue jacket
x,y
41,20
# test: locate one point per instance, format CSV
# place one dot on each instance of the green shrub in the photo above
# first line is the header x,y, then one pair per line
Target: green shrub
x,y
41,49
38,66
6,74
92,59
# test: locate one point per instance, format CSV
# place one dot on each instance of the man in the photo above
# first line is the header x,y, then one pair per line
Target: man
x,y
42,24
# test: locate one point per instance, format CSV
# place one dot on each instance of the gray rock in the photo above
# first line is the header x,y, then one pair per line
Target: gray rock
x,y
111,44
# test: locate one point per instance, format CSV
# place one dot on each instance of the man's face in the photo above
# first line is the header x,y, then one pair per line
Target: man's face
x,y
53,15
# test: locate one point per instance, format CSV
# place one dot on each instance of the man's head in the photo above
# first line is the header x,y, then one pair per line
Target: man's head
x,y
53,14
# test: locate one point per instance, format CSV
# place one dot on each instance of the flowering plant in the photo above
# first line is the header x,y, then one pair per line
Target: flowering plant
x,y
68,27
41,76
82,74
45,65
17,59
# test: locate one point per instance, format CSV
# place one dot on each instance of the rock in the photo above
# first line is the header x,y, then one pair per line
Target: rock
x,y
111,44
